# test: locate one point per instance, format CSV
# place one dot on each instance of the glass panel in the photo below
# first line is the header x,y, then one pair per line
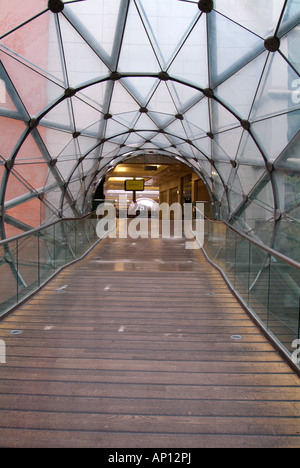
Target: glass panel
x,y
259,282
24,12
47,253
291,15
191,63
10,132
227,56
162,101
35,89
268,285
99,17
198,116
290,47
282,128
8,275
238,92
28,265
137,54
283,320
242,270
286,239
167,23
82,64
84,114
272,97
260,17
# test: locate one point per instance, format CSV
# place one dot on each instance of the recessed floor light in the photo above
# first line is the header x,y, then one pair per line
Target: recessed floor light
x,y
236,337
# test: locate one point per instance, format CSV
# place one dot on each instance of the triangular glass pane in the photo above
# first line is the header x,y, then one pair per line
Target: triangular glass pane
x,y
290,158
128,118
238,92
229,141
82,64
55,140
218,153
27,46
289,45
161,119
20,15
161,141
84,115
87,164
186,150
145,123
177,129
162,101
265,195
272,97
282,128
248,152
99,17
137,54
235,199
183,96
33,177
191,63
34,89
198,115
94,95
86,144
146,135
65,168
109,149
226,55
114,128
16,187
141,88
6,101
221,118
122,101
291,16
225,170
10,132
69,154
95,130
29,153
134,140
249,176
260,17
167,23
60,117
192,131
204,145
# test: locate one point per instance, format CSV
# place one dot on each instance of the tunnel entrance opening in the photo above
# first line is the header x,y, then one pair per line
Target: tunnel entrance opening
x,y
146,181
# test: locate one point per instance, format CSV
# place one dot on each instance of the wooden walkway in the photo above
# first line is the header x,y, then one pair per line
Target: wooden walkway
x,y
132,347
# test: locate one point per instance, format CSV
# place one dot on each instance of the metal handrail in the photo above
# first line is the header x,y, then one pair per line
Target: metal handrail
x,y
267,249
32,232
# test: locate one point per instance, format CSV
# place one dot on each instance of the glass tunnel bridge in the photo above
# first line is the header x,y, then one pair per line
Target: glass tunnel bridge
x,y
103,345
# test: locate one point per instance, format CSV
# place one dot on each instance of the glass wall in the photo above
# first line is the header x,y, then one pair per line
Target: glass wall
x,y
267,284
28,261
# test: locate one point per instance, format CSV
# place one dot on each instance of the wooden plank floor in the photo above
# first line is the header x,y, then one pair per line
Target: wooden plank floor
x,y
132,347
